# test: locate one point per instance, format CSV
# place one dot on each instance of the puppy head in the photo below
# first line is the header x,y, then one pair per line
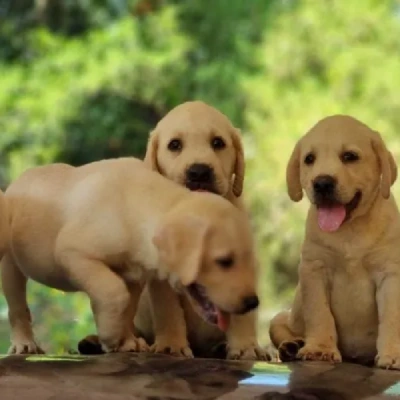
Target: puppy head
x,y
207,244
342,165
196,146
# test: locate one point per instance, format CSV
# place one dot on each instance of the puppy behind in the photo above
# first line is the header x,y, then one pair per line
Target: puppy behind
x,y
196,146
104,228
347,303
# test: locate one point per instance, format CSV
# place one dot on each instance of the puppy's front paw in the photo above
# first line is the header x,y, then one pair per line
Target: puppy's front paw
x,y
388,360
312,352
25,347
131,344
251,352
289,350
176,349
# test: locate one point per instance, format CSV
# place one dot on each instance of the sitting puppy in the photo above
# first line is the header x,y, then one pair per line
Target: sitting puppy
x,y
347,303
104,228
196,146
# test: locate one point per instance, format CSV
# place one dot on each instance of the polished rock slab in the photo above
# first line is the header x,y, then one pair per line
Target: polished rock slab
x,y
142,376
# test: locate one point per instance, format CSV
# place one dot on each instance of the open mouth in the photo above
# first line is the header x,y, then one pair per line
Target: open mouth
x,y
332,215
209,311
200,187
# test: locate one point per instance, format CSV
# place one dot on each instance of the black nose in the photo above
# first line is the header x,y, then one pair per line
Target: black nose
x,y
324,184
250,303
199,173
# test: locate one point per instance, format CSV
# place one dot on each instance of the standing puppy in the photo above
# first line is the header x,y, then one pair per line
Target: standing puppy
x,y
196,146
347,303
104,228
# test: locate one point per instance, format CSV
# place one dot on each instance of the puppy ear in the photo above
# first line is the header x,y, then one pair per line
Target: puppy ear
x,y
393,168
387,165
293,183
150,158
237,186
181,247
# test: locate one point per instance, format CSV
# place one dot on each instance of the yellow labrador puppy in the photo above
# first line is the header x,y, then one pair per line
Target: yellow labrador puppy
x,y
105,227
196,146
347,303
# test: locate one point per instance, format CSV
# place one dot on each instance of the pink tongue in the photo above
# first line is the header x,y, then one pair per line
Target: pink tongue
x,y
331,218
222,320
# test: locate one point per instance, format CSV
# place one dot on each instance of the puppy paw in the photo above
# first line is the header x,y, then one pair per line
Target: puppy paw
x,y
90,345
252,352
25,347
173,349
288,350
319,353
131,344
388,360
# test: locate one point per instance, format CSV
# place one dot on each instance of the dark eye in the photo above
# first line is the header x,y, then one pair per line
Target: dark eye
x,y
218,143
175,145
349,157
225,262
309,159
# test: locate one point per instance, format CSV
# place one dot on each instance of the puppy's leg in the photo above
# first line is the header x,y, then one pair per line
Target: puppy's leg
x,y
170,335
135,289
91,344
14,288
109,297
388,343
242,338
320,330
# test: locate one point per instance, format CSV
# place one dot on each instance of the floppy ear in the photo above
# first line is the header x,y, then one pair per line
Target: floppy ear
x,y
393,168
386,163
150,158
181,247
237,186
294,188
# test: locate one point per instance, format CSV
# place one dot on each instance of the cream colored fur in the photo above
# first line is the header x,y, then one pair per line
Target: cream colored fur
x,y
106,227
347,303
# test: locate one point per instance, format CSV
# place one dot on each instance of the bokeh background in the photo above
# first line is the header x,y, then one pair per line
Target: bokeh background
x,y
82,80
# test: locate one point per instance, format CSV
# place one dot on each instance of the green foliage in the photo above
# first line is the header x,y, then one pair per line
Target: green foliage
x,y
83,80
100,91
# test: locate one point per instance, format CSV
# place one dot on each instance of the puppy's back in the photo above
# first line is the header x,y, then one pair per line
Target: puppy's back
x,y
51,194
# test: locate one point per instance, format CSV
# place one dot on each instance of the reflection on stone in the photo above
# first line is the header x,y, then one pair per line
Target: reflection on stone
x,y
142,376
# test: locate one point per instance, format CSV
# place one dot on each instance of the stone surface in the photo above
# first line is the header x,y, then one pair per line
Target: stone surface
x,y
131,376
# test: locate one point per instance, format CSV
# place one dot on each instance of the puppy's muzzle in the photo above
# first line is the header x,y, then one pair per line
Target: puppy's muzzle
x,y
250,303
200,177
324,187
